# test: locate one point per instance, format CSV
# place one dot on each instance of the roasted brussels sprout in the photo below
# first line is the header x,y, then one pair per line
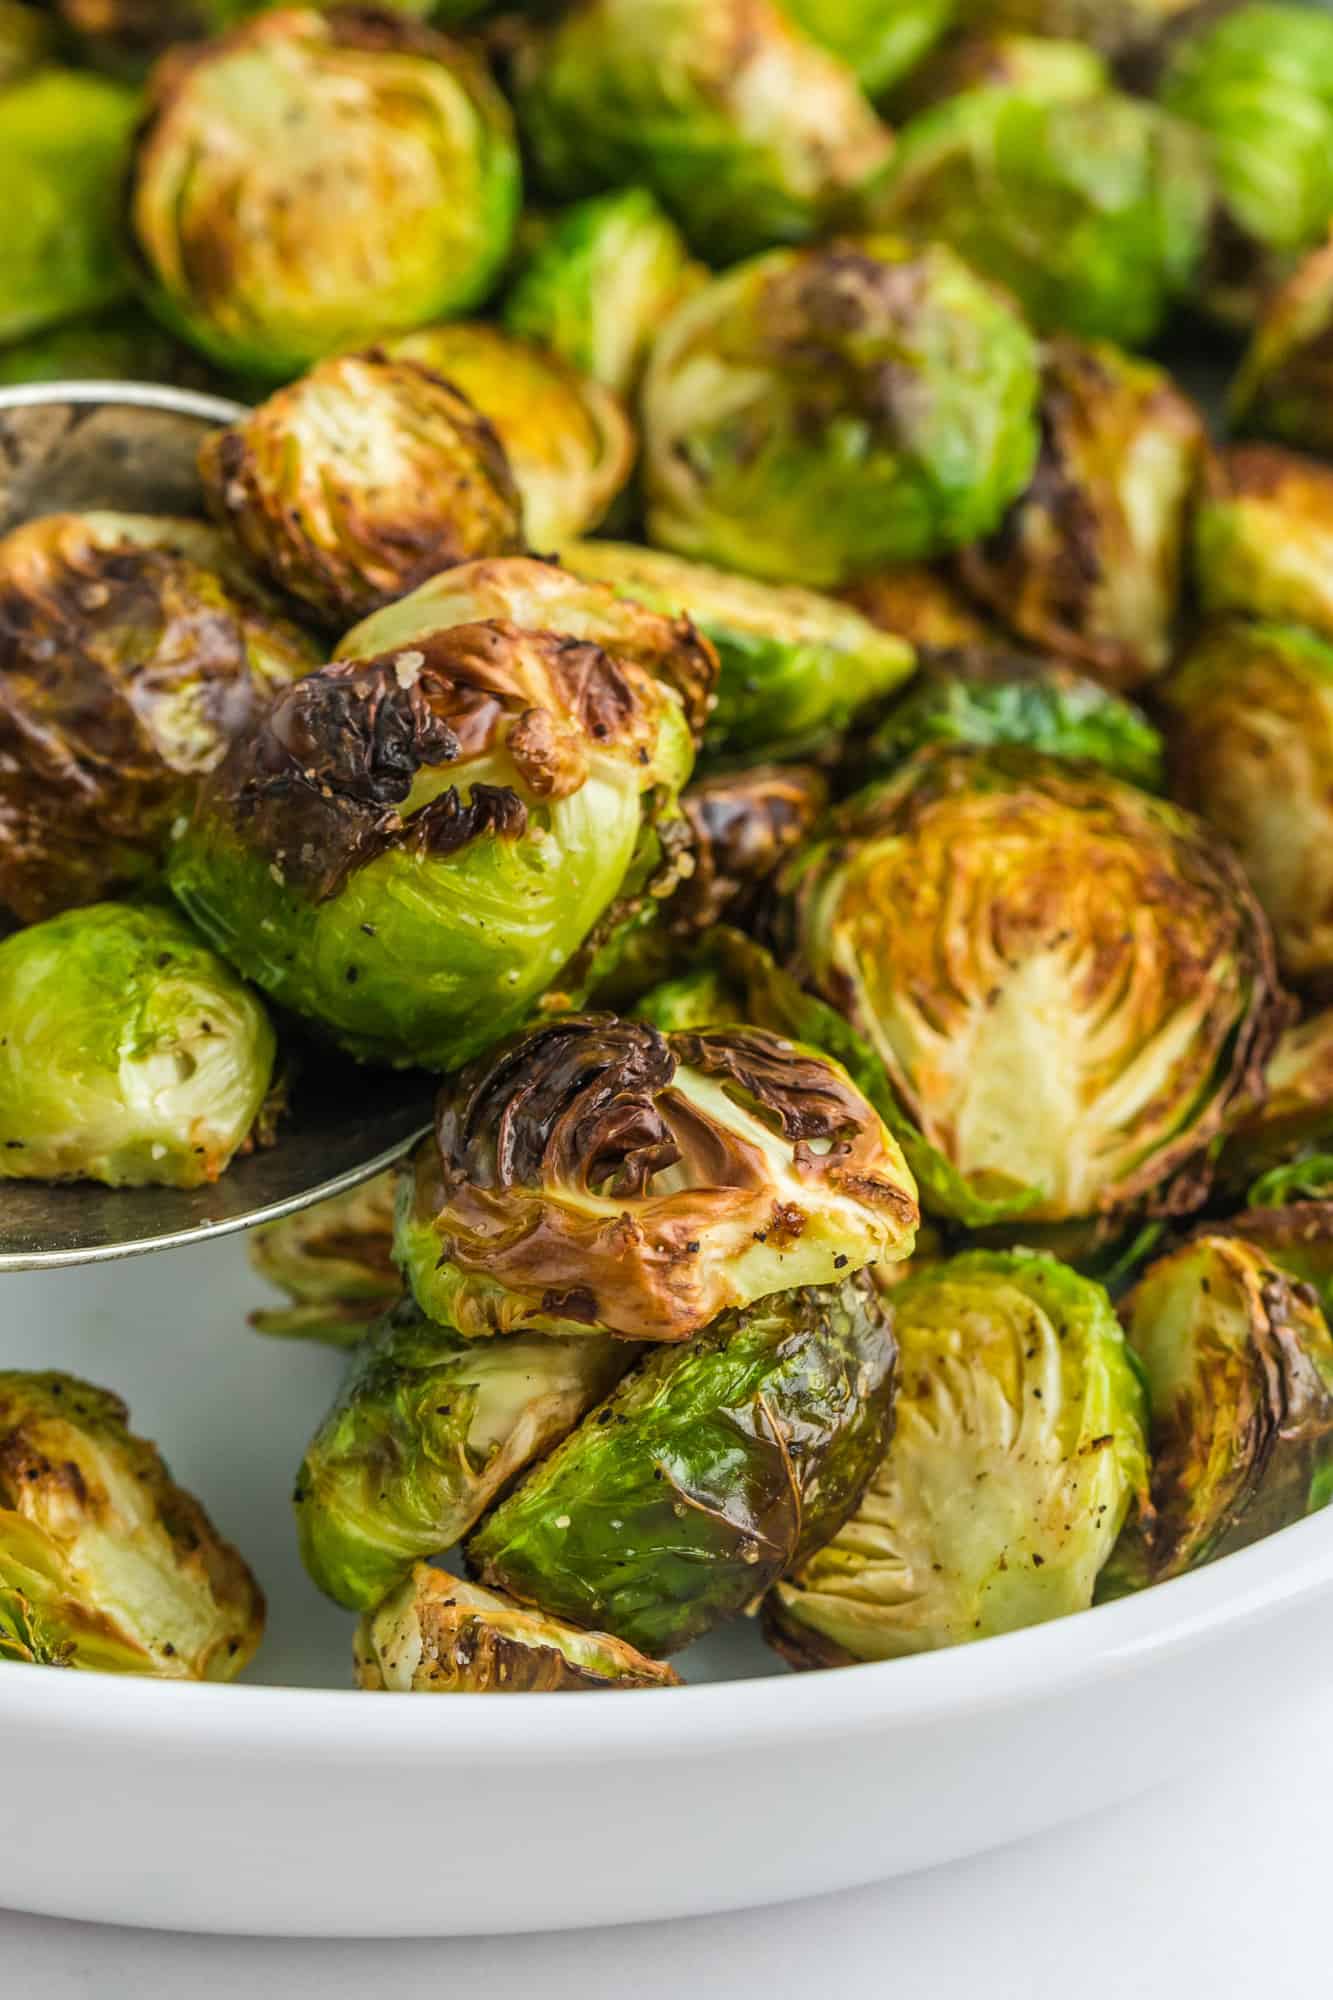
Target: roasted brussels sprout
x,y
602,278
120,345
593,1175
568,441
1296,1233
1018,1447
1263,537
409,849
1294,1118
129,1053
312,181
1037,65
710,1471
1249,729
335,1263
749,133
921,605
743,825
26,39
881,40
105,1563
1117,28
428,1429
1088,563
795,666
1284,388
815,414
132,650
1067,983
439,1635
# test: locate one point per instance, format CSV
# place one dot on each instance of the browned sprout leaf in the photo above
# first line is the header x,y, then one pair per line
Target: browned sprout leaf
x,y
1263,537
1295,1115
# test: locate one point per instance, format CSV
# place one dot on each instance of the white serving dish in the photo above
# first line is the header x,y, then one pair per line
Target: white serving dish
x,y
295,1806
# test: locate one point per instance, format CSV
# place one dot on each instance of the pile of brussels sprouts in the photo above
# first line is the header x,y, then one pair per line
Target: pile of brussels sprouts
x,y
720,636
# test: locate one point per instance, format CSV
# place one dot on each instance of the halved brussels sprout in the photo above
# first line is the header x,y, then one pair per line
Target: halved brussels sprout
x,y
120,345
26,39
439,1635
881,40
132,649
593,1175
1284,388
1092,211
568,441
1039,66
815,414
311,181
1263,537
795,666
603,276
1067,983
335,1263
427,1430
1118,28
1294,1118
1249,729
360,480
105,1563
1089,562
1018,1446
921,605
748,132
710,1471
410,849
129,1053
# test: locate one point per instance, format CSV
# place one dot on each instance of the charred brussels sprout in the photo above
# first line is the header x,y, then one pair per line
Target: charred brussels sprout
x,y
710,1470
795,666
1285,385
132,650
409,849
1293,1119
129,1053
1263,537
881,40
1018,1446
749,133
428,1429
360,480
1118,28
593,1175
923,606
105,1563
1067,983
816,414
335,1263
1088,562
311,181
439,1635
1037,65
26,39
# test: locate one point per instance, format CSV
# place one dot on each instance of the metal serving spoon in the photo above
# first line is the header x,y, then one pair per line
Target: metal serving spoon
x,y
131,447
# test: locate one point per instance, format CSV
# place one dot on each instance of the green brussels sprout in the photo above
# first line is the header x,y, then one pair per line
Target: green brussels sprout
x,y
602,278
1263,537
1093,212
1067,984
1284,388
815,414
749,133
568,441
711,1470
105,1563
360,480
795,666
591,1175
26,40
310,181
1089,561
1292,1120
132,649
427,1430
67,137
1249,730
129,1053
410,849
120,345
1018,1447
881,40
335,1263
923,606
1039,66
439,1635
1118,28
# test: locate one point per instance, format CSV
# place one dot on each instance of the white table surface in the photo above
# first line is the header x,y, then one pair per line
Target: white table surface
x,y
1218,1885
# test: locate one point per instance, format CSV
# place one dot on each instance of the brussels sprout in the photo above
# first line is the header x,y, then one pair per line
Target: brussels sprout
x,y
881,40
1117,28
428,1429
105,1563
1296,1233
602,278
795,666
591,1175
710,1471
1263,537
922,606
1088,562
1284,388
568,441
1294,1117
1068,985
131,650
335,1263
1018,1446
1037,65
26,39
67,137
1093,211
1249,729
439,1635
120,345
409,849
815,414
312,181
748,133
